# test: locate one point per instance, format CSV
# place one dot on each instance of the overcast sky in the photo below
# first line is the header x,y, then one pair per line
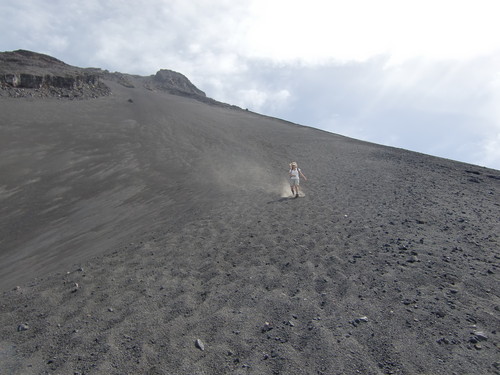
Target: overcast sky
x,y
423,75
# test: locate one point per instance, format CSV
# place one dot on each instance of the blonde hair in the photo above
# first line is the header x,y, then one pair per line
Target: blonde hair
x,y
292,164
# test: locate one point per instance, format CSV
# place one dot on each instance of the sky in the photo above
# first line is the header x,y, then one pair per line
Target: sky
x,y
422,75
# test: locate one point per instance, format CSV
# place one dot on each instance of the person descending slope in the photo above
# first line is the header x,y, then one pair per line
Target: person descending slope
x,y
294,178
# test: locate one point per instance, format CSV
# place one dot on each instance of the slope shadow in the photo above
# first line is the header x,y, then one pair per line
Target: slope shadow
x,y
282,199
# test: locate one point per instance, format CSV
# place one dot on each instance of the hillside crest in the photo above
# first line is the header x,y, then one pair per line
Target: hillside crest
x,y
31,74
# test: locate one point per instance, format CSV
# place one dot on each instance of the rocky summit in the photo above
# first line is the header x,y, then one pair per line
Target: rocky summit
x,y
29,74
148,229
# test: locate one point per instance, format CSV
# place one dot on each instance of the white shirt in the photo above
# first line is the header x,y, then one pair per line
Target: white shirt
x,y
294,174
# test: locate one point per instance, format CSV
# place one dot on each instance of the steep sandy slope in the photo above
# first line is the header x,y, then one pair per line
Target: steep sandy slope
x,y
153,221
79,177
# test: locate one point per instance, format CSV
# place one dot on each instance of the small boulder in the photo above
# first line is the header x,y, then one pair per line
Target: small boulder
x,y
22,327
480,335
362,319
267,327
199,344
412,259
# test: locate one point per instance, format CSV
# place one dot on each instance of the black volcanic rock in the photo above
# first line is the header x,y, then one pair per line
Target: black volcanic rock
x,y
30,61
175,82
29,74
32,81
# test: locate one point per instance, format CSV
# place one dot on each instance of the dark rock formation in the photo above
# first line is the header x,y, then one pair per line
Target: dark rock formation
x,y
176,83
29,61
32,81
34,75
30,74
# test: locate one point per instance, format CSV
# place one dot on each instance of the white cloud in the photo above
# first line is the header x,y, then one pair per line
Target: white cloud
x,y
489,152
257,100
443,109
184,34
253,98
317,31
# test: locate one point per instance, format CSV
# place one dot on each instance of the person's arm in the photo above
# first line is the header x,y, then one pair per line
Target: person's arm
x,y
305,178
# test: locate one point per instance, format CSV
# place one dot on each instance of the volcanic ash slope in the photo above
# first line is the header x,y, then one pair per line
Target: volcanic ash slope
x,y
163,241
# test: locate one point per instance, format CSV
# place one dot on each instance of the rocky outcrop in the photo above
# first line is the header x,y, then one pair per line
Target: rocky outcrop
x,y
30,74
176,83
72,87
30,61
32,81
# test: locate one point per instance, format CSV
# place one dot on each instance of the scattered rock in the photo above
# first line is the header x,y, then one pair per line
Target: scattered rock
x,y
362,319
110,309
412,259
267,327
23,327
439,313
199,344
472,172
480,335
